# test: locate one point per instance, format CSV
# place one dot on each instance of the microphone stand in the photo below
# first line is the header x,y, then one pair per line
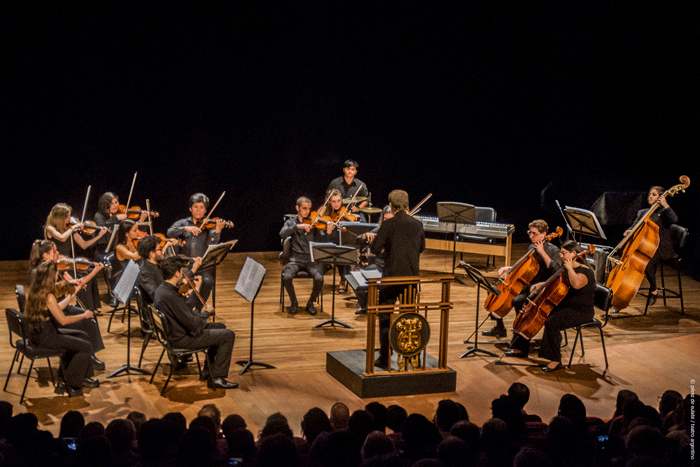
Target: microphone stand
x,y
481,282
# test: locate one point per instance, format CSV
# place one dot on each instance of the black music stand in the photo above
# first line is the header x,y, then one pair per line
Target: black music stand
x,y
457,213
214,256
354,230
481,282
248,286
584,222
123,290
336,255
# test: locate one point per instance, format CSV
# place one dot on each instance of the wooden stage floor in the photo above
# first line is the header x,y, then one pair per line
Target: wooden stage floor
x,y
648,354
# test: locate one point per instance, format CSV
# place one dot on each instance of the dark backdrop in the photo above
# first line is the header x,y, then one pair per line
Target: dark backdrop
x,y
265,100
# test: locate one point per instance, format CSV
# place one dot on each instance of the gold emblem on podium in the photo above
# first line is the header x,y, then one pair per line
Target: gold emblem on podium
x,y
409,335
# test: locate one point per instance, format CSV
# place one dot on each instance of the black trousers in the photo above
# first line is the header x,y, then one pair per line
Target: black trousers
x,y
388,296
220,342
558,320
76,362
292,268
90,327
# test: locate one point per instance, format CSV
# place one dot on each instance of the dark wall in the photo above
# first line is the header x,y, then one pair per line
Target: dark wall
x,y
264,100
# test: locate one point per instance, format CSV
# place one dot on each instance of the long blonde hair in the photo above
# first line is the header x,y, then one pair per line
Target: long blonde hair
x,y
59,211
43,284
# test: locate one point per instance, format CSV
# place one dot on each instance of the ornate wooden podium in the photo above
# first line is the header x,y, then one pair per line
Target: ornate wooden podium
x,y
411,369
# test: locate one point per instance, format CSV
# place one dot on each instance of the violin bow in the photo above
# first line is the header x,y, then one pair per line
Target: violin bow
x,y
126,211
150,222
189,282
87,195
318,215
352,201
208,216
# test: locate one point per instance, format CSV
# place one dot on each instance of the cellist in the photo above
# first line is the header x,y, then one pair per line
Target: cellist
x,y
664,218
547,256
574,309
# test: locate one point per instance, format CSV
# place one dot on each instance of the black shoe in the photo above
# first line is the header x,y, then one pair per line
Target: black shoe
x,y
91,383
382,363
310,308
97,364
60,388
293,308
547,369
74,392
496,331
516,354
204,376
652,299
221,383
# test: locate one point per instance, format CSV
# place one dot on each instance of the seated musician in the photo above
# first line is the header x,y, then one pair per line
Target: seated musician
x,y
150,276
575,309
350,186
108,215
46,251
197,237
66,235
189,329
334,210
547,255
664,218
301,233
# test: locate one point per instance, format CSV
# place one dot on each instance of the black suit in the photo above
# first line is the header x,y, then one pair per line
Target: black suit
x,y
402,240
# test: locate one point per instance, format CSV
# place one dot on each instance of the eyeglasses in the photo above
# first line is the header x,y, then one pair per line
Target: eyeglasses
x,y
530,232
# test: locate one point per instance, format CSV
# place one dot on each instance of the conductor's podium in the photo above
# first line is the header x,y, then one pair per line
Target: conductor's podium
x,y
411,369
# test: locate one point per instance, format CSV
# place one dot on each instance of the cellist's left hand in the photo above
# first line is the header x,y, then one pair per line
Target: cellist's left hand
x,y
663,202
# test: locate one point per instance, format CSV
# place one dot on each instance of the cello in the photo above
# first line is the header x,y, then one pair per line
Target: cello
x,y
540,303
521,274
639,247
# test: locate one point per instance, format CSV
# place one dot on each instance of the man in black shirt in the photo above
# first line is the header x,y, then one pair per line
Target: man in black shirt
x,y
401,240
189,329
348,185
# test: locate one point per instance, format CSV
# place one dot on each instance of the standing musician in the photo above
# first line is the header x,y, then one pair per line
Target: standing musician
x,y
575,309
189,329
401,240
664,219
46,251
108,214
350,186
547,256
375,262
197,237
45,313
302,231
64,236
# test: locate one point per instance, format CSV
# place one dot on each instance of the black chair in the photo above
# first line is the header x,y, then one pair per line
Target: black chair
x,y
161,330
284,259
21,298
679,235
19,326
603,299
145,319
483,214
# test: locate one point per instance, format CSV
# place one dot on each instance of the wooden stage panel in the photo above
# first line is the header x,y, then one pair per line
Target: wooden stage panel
x,y
647,354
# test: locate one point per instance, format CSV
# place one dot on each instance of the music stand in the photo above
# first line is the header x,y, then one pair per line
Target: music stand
x,y
354,230
335,255
214,256
583,221
123,290
481,282
457,213
248,286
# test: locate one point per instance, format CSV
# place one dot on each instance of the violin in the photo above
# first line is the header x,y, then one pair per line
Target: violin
x,y
188,285
343,215
134,212
540,303
627,275
521,274
81,264
210,224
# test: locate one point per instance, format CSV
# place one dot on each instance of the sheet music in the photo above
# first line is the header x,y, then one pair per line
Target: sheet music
x,y
126,283
317,244
215,253
250,279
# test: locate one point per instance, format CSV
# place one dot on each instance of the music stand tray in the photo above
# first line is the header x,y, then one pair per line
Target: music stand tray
x,y
336,255
248,286
123,290
354,230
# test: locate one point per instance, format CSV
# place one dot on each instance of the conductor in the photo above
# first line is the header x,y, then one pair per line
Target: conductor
x,y
402,240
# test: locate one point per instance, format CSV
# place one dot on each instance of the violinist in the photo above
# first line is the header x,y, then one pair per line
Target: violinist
x,y
197,237
546,254
150,276
127,237
333,210
349,185
108,214
664,218
64,234
46,251
45,313
575,308
301,233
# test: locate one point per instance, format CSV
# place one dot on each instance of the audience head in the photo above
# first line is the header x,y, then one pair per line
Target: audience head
x,y
623,397
197,446
669,401
377,443
71,424
379,412
121,434
213,412
276,423
277,449
447,414
314,423
340,415
395,416
137,418
504,409
519,394
361,424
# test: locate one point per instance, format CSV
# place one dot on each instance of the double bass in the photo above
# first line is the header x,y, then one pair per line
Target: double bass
x,y
540,303
639,247
521,274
